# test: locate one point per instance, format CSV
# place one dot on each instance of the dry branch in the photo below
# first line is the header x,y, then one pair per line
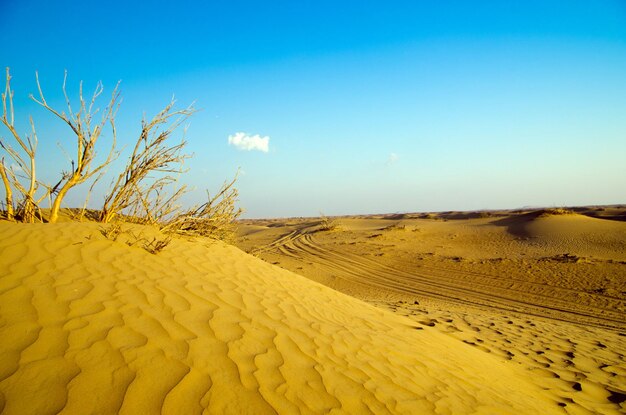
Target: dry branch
x,y
215,218
24,158
137,191
10,215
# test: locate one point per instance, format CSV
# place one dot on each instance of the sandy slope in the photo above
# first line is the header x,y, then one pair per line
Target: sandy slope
x,y
90,325
545,291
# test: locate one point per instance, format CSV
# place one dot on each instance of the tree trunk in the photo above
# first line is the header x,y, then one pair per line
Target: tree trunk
x,y
8,192
56,205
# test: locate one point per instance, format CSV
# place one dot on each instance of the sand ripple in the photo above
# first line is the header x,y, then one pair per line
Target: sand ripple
x,y
90,325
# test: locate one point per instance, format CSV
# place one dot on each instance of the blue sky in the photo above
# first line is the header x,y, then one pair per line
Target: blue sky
x,y
369,106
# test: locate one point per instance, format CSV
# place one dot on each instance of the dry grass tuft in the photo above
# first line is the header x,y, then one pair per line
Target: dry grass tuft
x,y
111,232
155,245
152,245
327,224
556,212
215,218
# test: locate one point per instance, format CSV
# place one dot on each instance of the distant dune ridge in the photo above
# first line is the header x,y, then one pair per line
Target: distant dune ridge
x,y
544,289
90,325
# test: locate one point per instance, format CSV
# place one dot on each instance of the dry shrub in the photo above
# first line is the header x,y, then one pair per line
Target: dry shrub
x,y
143,190
215,218
140,196
146,191
87,125
155,245
556,212
111,232
21,175
327,224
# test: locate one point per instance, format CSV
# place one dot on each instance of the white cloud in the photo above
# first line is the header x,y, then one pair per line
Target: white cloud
x,y
248,142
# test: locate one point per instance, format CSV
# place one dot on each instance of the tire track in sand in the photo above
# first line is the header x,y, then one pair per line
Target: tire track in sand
x,y
465,287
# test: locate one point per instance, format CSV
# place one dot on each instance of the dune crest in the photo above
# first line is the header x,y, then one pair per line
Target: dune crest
x,y
94,326
544,289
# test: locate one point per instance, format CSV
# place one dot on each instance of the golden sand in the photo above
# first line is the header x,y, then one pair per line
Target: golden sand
x,y
545,290
89,325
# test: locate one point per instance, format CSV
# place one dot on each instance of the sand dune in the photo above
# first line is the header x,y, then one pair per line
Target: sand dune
x,y
573,233
471,263
543,290
90,325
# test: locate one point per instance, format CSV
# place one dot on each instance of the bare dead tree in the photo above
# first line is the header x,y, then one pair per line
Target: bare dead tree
x,y
87,130
147,191
215,218
143,191
24,159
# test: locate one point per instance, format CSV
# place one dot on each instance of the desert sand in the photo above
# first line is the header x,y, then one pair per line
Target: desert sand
x,y
544,289
496,315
